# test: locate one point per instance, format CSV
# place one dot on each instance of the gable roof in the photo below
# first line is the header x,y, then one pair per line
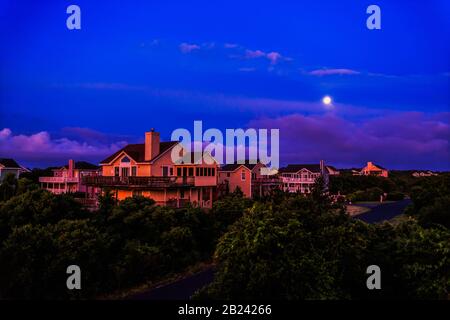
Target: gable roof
x,y
332,168
137,151
234,166
293,168
376,165
83,165
9,163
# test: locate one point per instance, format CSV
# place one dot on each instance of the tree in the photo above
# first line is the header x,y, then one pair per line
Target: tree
x,y
303,250
8,187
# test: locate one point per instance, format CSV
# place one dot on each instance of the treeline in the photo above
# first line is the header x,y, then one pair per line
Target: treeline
x,y
308,248
116,247
284,246
369,188
431,201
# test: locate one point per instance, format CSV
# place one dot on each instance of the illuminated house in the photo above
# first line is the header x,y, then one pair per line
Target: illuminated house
x,y
68,179
148,169
302,177
248,178
372,169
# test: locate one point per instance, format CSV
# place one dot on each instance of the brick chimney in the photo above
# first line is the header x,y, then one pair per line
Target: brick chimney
x,y
151,144
71,168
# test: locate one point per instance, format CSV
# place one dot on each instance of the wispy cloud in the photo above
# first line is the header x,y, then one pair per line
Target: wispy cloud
x,y
329,72
252,54
271,105
273,56
230,45
188,47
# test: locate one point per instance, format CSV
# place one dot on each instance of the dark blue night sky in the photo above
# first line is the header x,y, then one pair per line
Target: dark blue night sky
x,y
135,65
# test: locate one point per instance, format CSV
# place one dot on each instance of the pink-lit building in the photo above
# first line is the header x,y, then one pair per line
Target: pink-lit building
x,y
148,170
300,178
372,169
248,178
68,179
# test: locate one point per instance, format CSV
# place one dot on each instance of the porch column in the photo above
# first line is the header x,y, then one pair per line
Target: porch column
x,y
210,195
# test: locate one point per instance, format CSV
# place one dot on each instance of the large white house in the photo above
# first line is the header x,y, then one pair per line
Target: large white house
x,y
301,177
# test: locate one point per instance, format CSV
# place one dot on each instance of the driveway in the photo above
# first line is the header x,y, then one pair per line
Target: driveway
x,y
384,211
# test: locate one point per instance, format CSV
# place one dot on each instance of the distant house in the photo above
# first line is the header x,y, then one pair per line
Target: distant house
x,y
428,173
248,177
332,171
68,179
8,166
372,169
302,177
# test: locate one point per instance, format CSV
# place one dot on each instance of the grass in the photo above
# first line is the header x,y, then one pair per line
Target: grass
x,y
354,210
400,219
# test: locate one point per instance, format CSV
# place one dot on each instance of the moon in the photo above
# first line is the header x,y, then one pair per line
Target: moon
x,y
327,100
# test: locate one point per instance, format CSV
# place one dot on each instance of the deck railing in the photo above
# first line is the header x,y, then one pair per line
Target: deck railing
x,y
151,182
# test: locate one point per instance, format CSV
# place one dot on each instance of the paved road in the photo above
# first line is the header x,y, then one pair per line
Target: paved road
x,y
185,288
179,290
384,211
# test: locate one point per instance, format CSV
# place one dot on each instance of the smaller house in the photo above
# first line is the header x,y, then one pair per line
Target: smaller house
x,y
300,178
68,179
428,173
332,171
8,166
372,169
248,177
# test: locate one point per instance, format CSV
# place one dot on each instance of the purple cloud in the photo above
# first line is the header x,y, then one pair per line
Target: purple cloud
x,y
41,149
408,140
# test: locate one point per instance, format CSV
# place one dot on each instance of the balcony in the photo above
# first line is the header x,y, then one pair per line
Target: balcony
x,y
59,179
267,181
139,182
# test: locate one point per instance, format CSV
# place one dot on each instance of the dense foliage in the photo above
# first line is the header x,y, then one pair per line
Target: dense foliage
x,y
41,234
307,248
431,201
281,246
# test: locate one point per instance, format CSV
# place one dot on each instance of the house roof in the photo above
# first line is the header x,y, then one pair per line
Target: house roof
x,y
292,168
137,151
234,166
376,165
83,165
9,163
332,168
